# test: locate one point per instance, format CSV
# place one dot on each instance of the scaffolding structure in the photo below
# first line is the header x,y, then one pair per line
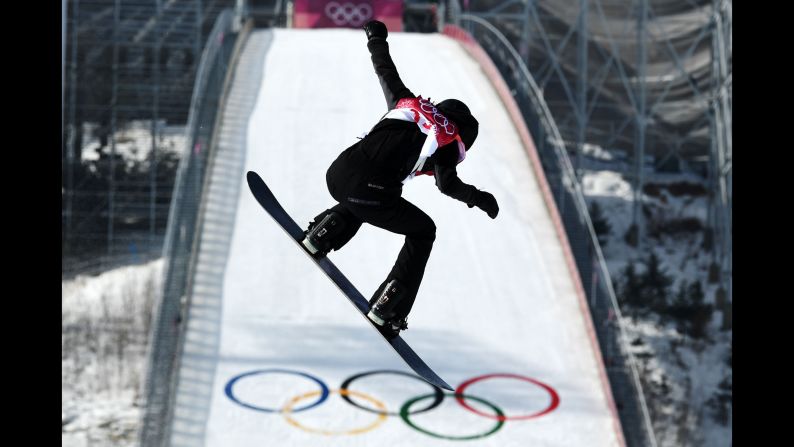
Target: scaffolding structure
x,y
647,78
127,63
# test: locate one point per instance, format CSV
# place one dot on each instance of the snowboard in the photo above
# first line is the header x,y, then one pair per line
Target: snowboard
x,y
268,201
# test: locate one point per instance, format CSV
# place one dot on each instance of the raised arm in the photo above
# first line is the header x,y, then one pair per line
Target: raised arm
x,y
390,82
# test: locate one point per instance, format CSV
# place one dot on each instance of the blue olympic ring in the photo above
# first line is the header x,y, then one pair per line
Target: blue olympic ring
x,y
324,391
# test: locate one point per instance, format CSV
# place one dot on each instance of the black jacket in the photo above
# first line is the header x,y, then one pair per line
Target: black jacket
x,y
373,168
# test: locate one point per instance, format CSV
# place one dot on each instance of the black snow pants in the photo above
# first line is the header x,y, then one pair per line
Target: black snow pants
x,y
360,201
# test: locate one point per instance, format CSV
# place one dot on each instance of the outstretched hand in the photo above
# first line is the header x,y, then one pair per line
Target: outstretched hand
x,y
486,202
375,28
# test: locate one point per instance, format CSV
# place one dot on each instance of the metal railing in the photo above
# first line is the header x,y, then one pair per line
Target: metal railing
x,y
567,191
168,325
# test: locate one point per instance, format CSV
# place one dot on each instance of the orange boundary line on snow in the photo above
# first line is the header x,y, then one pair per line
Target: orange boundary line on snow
x,y
478,53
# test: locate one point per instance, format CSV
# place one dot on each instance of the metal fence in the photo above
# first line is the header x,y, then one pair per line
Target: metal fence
x,y
128,70
178,250
567,191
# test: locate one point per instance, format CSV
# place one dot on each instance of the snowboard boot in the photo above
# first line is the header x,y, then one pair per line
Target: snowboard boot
x,y
320,237
382,311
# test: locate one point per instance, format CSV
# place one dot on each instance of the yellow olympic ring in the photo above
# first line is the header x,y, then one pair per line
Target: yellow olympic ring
x,y
287,411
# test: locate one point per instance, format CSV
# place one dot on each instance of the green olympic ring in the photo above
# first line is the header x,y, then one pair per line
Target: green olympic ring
x,y
405,411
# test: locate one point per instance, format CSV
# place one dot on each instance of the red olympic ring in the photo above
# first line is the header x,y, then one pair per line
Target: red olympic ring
x,y
555,398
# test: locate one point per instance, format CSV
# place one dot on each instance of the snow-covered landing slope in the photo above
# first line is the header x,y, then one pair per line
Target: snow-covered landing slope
x,y
269,354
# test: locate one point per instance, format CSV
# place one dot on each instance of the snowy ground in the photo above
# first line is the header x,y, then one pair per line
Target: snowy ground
x,y
134,140
680,374
105,321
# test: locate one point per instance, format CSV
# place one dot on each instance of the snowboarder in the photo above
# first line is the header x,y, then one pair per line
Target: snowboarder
x,y
414,137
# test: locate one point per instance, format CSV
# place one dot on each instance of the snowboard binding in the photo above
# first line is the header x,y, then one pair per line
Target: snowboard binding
x,y
320,237
382,311
393,328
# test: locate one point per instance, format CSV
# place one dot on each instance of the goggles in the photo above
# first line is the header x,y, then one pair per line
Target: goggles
x,y
461,149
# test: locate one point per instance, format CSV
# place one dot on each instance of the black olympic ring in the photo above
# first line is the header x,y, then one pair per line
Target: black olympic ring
x,y
438,394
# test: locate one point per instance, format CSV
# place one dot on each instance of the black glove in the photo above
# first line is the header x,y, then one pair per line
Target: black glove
x,y
374,28
487,203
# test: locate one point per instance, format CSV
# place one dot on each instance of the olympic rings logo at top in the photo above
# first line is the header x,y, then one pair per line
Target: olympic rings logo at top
x,y
308,401
348,14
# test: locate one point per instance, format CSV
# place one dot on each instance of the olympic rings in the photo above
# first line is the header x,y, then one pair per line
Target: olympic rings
x,y
437,393
404,413
230,392
555,399
348,13
380,409
344,393
429,108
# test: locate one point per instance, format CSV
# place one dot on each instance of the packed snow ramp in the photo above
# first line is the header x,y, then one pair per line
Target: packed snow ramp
x,y
275,354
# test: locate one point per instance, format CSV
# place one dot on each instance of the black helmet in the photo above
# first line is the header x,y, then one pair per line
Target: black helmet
x,y
457,111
